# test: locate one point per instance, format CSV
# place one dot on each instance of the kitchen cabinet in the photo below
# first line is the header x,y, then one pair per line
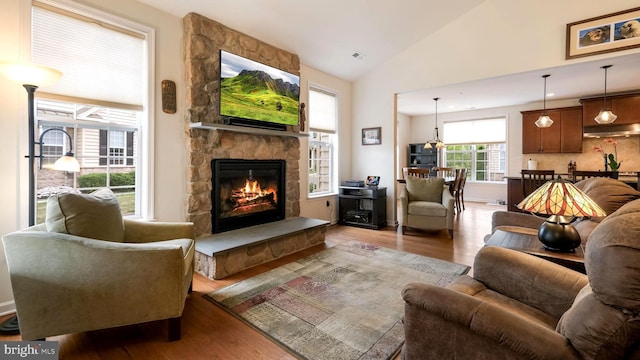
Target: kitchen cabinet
x,y
626,107
564,136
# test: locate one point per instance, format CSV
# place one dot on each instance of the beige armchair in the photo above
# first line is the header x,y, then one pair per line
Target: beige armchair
x,y
426,204
517,306
64,283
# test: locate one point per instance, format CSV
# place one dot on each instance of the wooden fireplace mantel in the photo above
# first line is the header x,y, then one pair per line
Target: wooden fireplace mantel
x,y
245,129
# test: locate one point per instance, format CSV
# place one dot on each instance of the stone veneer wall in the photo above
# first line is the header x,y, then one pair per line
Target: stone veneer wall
x,y
203,39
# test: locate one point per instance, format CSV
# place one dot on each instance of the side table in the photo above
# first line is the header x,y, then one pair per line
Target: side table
x,y
530,244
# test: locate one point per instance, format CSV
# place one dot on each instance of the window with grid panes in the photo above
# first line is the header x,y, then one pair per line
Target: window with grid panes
x,y
100,101
322,140
477,145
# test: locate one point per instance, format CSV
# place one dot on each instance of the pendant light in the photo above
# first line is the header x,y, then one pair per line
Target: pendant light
x,y
439,143
605,116
544,121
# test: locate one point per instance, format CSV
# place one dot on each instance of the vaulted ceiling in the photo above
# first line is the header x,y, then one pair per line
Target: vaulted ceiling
x,y
348,38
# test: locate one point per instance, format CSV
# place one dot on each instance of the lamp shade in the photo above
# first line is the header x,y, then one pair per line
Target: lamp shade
x,y
67,163
29,74
606,117
544,121
562,198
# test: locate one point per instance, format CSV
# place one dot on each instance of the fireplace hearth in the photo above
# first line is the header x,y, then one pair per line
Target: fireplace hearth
x,y
246,193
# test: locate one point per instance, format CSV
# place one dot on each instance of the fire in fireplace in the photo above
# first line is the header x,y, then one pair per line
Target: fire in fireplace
x,y
246,193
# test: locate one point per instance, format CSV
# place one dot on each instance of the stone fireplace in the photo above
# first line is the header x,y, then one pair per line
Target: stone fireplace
x,y
202,43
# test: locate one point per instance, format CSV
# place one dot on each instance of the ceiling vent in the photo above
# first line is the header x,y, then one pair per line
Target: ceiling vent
x,y
358,55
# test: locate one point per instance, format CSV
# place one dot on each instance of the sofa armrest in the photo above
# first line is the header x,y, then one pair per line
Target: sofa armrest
x,y
439,321
449,202
136,231
512,218
534,281
404,204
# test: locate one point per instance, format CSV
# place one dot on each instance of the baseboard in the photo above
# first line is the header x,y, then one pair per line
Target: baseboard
x,y
7,307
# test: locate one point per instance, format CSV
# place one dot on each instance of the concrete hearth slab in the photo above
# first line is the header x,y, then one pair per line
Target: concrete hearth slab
x,y
220,255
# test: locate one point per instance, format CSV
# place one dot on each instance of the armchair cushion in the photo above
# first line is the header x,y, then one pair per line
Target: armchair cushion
x,y
95,216
426,208
421,189
597,330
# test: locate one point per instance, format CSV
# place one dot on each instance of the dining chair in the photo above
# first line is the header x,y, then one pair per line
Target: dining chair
x,y
458,189
418,172
447,172
581,175
533,179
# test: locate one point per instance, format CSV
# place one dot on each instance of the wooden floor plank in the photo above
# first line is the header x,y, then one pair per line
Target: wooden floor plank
x,y
208,332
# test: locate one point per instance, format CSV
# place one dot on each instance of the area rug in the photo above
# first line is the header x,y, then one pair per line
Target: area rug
x,y
341,303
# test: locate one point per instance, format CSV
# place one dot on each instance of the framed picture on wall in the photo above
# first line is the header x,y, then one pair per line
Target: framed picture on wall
x,y
603,34
371,136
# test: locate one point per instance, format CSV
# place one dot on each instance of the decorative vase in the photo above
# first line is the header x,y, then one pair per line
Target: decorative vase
x,y
615,174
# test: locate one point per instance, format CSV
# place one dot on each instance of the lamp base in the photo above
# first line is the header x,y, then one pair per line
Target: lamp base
x,y
10,326
559,237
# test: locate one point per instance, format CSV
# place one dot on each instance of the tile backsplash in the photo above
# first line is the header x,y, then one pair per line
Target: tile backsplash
x,y
628,149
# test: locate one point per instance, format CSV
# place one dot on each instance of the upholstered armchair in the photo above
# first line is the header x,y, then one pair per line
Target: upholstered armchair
x,y
86,268
517,306
426,204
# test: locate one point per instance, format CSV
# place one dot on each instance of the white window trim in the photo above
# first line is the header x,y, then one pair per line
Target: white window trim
x,y
336,133
145,205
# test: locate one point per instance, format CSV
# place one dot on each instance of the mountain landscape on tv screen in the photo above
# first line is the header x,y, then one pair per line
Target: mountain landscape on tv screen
x,y
253,94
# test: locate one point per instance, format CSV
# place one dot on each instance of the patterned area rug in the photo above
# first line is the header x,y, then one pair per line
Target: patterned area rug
x,y
341,303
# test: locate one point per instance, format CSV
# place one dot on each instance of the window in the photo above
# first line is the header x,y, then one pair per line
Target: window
x,y
120,149
101,101
52,145
477,145
323,139
111,166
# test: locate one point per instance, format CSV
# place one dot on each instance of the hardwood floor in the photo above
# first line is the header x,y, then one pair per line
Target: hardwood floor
x,y
209,332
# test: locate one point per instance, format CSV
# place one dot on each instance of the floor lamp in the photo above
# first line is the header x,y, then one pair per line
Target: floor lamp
x,y
31,76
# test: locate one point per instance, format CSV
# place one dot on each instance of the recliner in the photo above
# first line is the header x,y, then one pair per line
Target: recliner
x,y
518,306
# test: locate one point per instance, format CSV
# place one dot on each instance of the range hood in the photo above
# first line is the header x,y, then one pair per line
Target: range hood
x,y
597,131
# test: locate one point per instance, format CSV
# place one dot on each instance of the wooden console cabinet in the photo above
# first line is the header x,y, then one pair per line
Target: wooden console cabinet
x,y
363,206
564,136
624,106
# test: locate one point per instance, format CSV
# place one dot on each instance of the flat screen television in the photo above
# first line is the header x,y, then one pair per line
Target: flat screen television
x,y
255,94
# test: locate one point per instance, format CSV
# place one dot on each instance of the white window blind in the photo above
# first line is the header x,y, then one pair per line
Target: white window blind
x,y
98,63
475,131
322,111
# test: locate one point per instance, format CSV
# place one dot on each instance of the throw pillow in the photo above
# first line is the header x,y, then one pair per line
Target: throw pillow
x,y
421,189
96,215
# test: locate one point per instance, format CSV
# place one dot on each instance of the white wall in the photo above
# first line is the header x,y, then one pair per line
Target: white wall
x,y
316,207
496,38
13,124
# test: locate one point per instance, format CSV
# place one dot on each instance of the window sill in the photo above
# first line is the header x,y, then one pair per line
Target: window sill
x,y
320,196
